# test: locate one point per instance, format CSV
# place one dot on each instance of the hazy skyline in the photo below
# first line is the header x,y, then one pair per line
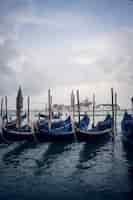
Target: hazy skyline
x,y
65,45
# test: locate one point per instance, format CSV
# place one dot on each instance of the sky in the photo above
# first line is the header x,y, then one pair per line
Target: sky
x,y
66,45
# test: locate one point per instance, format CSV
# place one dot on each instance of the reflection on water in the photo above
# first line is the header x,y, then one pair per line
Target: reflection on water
x,y
128,154
54,150
77,170
12,156
88,153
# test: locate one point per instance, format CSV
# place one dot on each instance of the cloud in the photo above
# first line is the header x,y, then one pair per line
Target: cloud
x,y
61,50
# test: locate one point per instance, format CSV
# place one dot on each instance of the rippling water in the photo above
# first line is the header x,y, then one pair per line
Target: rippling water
x,y
79,170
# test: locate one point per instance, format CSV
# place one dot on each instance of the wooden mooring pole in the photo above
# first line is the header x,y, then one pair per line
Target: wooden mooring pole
x,y
28,110
49,108
93,112
113,113
1,108
19,106
78,106
132,104
6,109
73,109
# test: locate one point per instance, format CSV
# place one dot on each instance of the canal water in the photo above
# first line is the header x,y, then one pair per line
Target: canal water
x,y
62,170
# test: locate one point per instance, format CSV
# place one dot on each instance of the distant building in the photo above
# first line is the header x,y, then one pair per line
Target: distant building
x,y
85,105
106,107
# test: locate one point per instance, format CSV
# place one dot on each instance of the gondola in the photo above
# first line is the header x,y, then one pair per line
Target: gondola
x,y
127,128
102,129
0,129
10,131
18,134
62,130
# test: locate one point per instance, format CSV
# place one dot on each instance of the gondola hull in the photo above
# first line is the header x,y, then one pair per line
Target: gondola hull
x,y
92,134
14,135
1,130
127,136
127,128
101,130
127,139
1,140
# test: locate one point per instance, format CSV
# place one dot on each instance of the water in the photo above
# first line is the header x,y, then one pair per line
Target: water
x,y
74,170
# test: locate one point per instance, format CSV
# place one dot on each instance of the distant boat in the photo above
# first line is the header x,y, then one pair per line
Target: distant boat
x,y
101,129
127,128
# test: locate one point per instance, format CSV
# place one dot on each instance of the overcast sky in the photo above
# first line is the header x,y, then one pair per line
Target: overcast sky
x,y
65,45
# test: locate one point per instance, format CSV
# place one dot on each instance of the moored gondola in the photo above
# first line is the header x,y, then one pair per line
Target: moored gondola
x,y
60,130
18,134
127,128
16,131
0,129
102,129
